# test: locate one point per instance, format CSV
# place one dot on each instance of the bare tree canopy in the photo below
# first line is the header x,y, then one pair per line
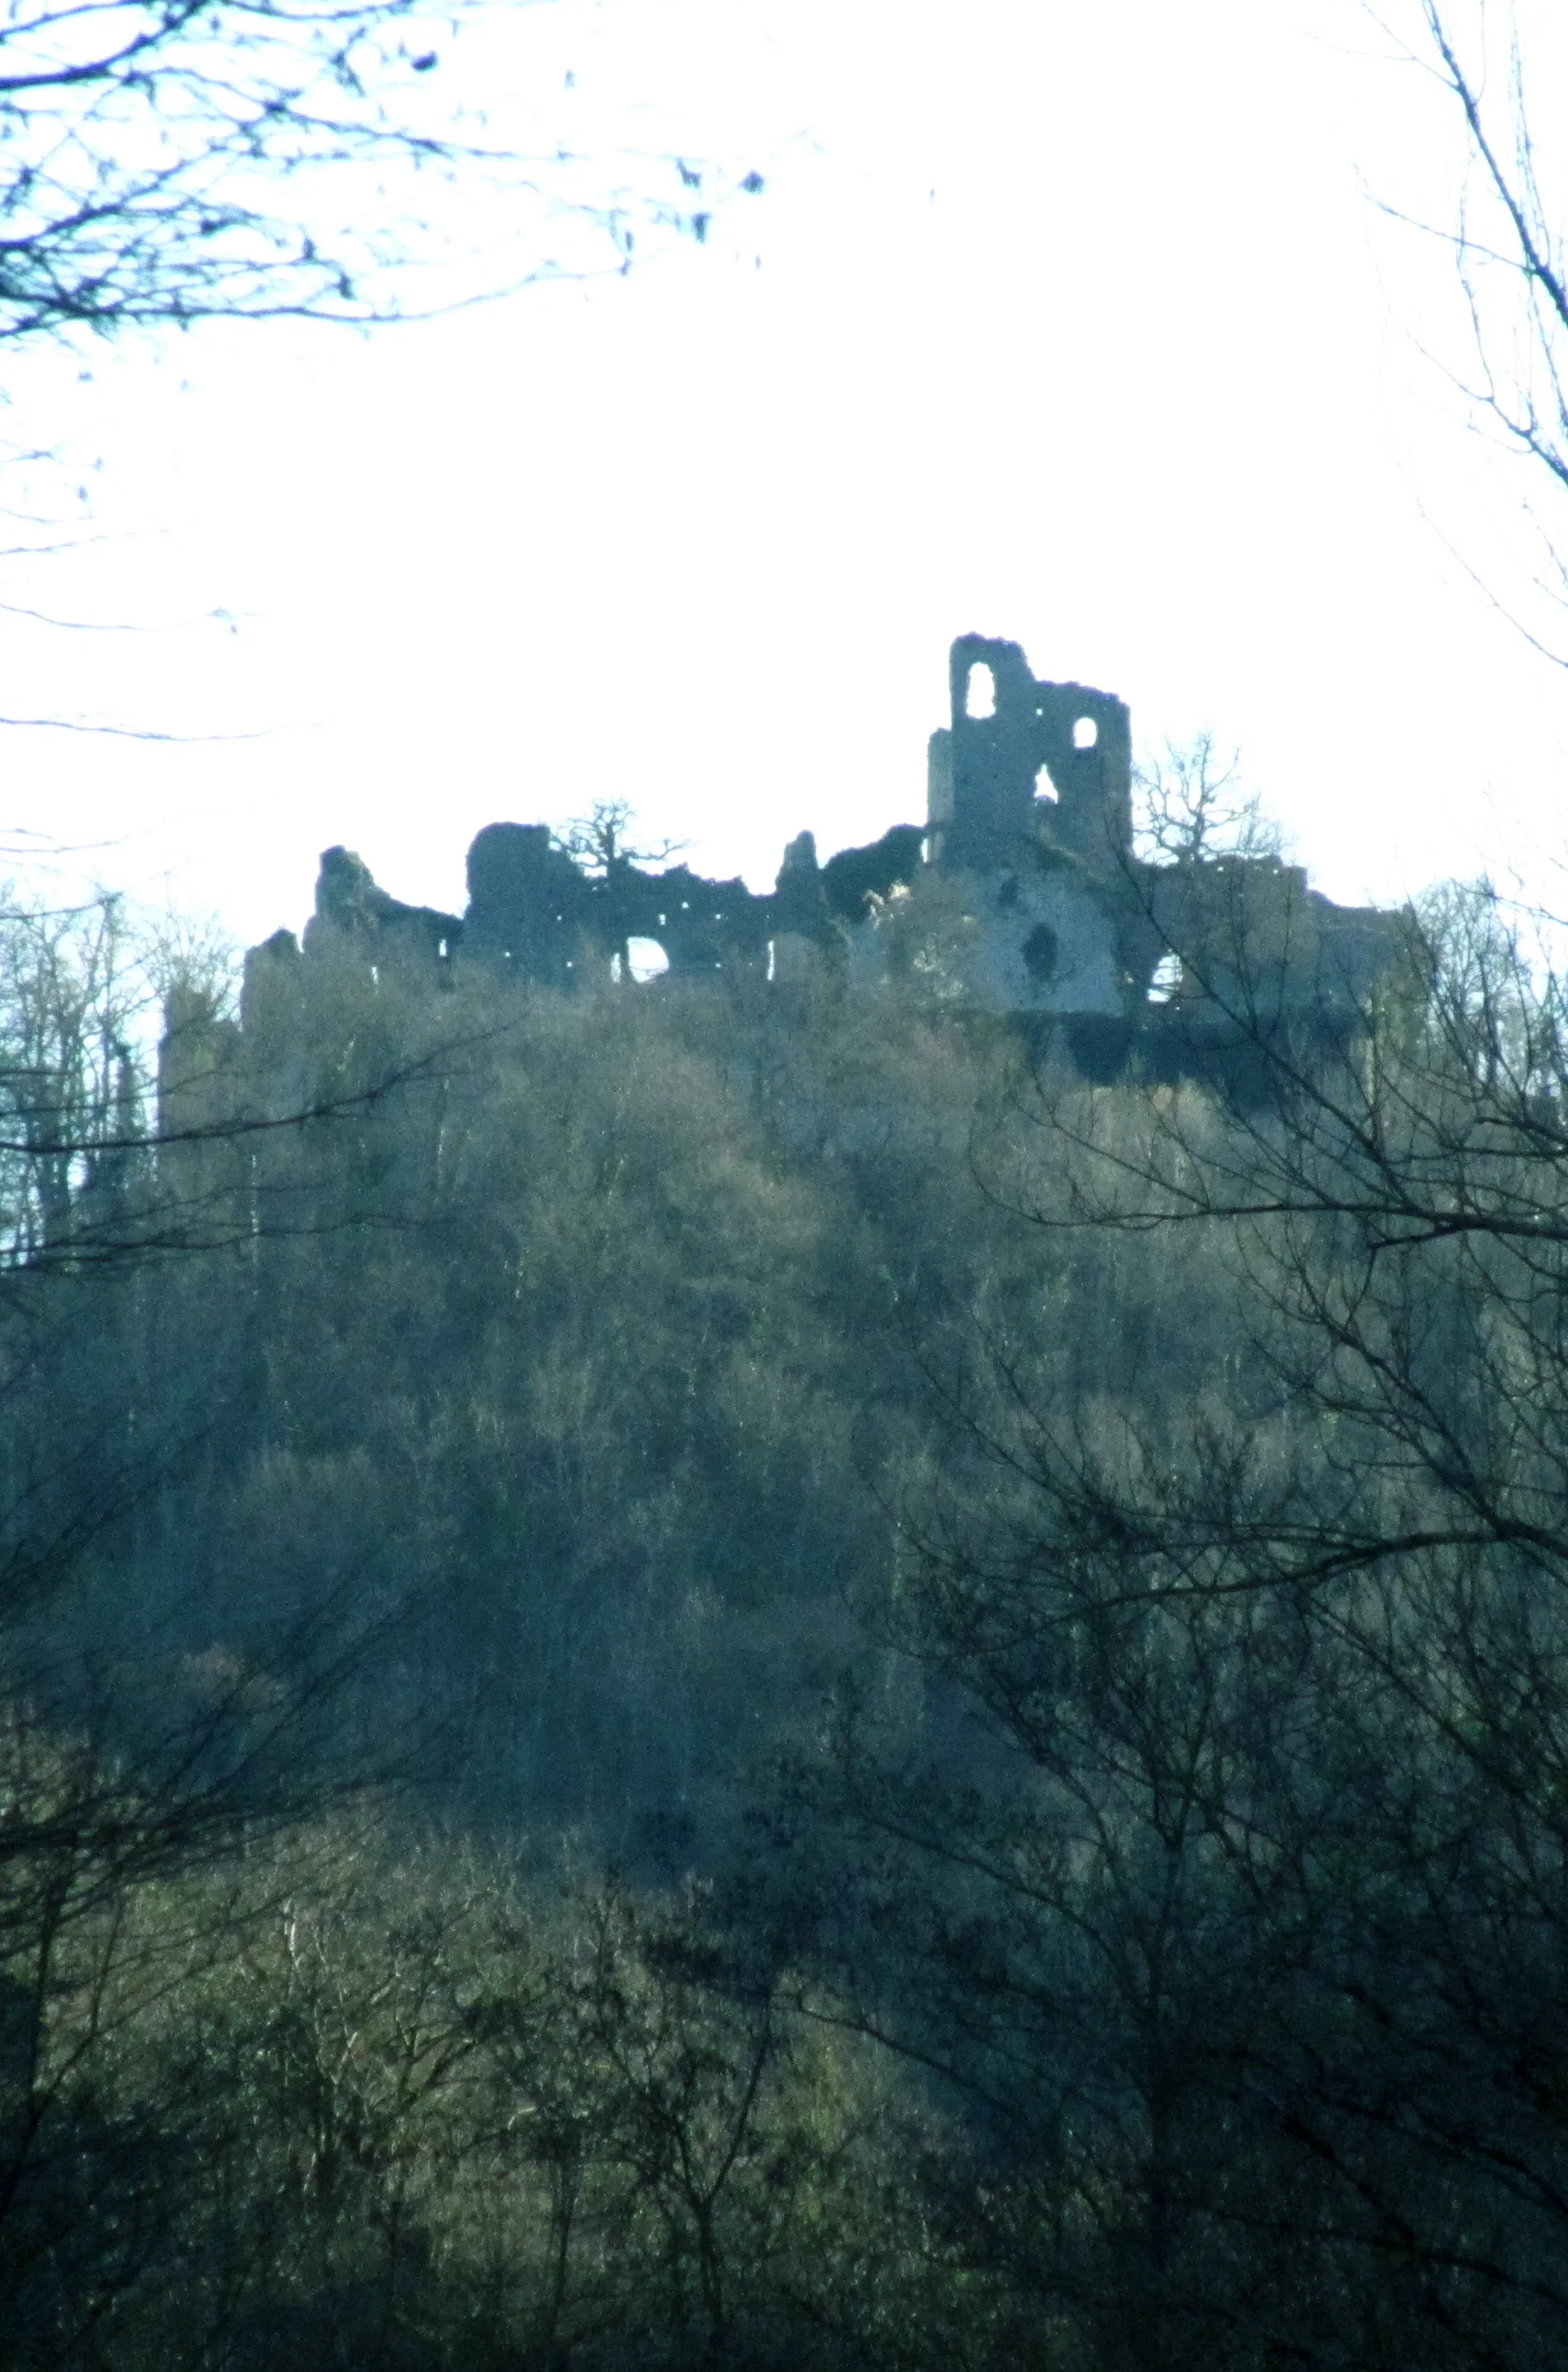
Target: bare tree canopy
x,y
169,160
1496,65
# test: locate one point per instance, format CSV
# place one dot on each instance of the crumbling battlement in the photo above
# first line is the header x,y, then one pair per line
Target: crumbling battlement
x,y
536,914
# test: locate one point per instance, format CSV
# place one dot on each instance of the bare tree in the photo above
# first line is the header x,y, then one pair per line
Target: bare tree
x,y
1490,61
1212,1844
168,160
1191,803
599,843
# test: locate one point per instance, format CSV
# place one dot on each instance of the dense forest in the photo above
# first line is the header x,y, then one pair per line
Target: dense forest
x,y
731,1676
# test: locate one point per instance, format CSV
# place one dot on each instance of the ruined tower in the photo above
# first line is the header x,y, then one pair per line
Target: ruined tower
x,y
1020,755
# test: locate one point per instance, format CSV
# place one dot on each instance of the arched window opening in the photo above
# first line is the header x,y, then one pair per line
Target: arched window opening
x,y
980,692
1086,734
649,960
1044,788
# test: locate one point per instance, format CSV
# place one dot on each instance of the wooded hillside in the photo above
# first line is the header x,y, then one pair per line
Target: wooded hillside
x,y
698,1676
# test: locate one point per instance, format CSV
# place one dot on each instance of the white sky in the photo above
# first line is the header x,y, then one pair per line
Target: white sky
x,y
1070,323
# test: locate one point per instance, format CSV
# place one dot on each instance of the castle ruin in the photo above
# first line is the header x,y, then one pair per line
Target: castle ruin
x,y
1029,840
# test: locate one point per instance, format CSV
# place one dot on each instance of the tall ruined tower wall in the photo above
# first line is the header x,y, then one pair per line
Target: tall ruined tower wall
x,y
1017,753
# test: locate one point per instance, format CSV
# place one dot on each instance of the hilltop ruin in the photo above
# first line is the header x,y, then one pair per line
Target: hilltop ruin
x,y
1026,860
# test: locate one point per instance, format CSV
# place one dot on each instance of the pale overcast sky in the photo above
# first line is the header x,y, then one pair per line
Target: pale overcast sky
x,y
1065,322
